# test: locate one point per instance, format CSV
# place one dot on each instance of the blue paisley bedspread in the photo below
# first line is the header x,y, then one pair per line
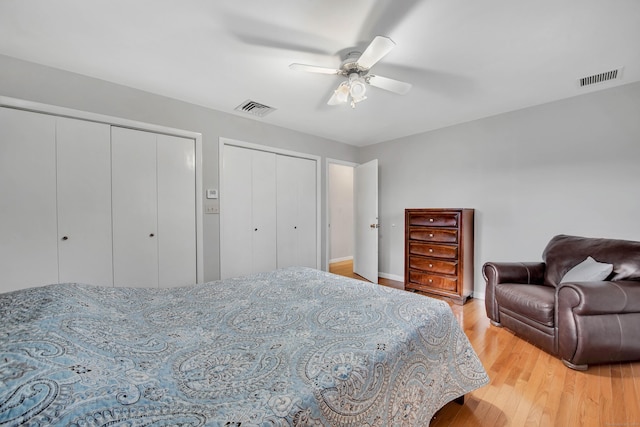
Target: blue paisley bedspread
x,y
292,347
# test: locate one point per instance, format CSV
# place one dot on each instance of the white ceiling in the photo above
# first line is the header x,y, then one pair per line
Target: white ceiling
x,y
466,59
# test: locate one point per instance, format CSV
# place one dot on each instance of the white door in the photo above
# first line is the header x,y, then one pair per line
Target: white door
x,y
296,212
236,231
176,211
134,201
28,229
248,212
307,228
365,189
84,202
263,211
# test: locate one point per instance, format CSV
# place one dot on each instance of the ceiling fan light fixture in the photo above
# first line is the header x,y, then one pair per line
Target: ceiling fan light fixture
x,y
354,89
342,93
355,101
357,87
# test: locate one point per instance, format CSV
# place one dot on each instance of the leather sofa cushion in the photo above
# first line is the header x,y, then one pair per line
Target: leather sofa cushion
x,y
564,252
532,301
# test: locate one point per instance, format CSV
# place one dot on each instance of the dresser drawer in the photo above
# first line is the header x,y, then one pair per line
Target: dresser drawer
x,y
438,251
442,235
433,281
433,265
434,219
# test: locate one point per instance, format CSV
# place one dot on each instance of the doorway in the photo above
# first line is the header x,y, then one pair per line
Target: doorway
x,y
352,213
340,218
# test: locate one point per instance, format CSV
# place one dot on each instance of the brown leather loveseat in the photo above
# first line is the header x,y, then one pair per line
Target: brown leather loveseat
x,y
582,303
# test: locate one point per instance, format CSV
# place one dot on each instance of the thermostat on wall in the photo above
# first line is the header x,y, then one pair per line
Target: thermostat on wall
x,y
212,193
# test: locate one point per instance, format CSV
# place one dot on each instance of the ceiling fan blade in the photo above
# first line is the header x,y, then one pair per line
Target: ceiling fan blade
x,y
386,17
376,50
395,86
313,69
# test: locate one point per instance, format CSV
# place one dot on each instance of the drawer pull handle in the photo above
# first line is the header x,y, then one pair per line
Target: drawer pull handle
x,y
430,219
430,234
430,265
430,280
430,250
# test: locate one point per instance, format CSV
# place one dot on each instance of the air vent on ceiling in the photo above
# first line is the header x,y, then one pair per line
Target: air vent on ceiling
x,y
601,77
254,108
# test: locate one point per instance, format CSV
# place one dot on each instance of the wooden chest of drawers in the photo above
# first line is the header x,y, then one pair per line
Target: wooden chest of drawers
x,y
439,252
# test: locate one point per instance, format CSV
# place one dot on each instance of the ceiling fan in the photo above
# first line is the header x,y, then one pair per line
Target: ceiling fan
x,y
356,68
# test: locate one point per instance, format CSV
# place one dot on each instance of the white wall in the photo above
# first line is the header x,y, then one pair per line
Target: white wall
x,y
340,212
571,166
566,167
32,82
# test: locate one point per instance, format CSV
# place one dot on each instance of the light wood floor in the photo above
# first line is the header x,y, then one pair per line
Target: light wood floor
x,y
532,388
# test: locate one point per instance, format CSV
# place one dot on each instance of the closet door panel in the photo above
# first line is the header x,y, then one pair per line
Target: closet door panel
x,y
236,228
287,211
264,211
28,243
84,202
296,211
176,211
134,205
307,213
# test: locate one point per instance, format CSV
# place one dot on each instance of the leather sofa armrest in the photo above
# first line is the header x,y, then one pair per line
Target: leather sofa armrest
x,y
595,298
508,272
597,321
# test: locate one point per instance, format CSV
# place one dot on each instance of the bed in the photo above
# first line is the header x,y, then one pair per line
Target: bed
x,y
292,347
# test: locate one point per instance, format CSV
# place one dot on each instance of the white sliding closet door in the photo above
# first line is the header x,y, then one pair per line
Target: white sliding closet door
x,y
264,211
269,212
135,201
296,212
176,211
236,231
91,202
248,229
28,242
84,202
307,214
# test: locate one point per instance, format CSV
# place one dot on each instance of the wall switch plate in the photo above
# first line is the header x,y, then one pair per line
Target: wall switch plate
x,y
211,209
212,193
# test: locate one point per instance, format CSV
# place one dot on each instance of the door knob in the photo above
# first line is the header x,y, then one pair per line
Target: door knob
x,y
151,235
374,225
65,238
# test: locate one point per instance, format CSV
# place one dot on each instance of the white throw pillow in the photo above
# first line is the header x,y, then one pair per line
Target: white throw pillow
x,y
588,270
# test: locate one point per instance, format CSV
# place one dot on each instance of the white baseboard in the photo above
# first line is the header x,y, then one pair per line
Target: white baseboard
x,y
479,295
391,276
344,258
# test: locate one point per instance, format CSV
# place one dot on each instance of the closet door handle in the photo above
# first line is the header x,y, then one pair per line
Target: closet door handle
x,y
151,235
65,237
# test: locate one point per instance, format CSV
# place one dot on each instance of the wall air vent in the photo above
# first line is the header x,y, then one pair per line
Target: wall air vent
x,y
601,77
254,108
